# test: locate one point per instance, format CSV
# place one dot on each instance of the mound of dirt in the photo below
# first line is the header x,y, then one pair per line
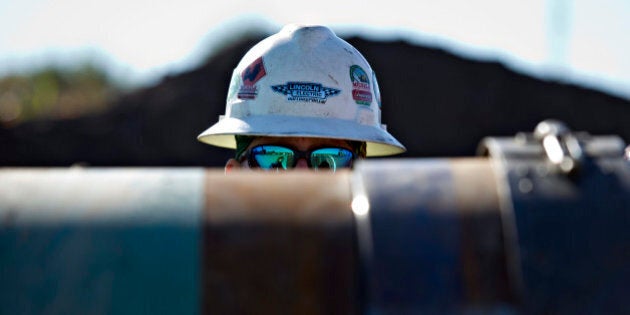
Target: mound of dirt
x,y
434,102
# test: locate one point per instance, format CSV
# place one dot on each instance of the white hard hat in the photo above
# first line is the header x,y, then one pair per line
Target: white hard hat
x,y
304,82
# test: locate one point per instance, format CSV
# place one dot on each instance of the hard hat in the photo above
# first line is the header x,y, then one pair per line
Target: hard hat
x,y
304,81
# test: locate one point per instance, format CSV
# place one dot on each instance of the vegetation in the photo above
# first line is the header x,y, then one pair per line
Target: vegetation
x,y
54,93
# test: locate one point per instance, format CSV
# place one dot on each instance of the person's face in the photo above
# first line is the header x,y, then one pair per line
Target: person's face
x,y
297,143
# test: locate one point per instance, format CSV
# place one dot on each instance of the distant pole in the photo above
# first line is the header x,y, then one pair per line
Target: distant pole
x,y
558,20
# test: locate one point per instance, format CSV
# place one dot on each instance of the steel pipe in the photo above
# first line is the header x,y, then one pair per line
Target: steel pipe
x,y
391,236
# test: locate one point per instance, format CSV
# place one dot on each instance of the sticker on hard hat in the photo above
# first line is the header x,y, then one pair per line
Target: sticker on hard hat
x,y
250,75
361,92
305,91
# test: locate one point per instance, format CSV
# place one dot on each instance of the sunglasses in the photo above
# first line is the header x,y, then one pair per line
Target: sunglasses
x,y
275,157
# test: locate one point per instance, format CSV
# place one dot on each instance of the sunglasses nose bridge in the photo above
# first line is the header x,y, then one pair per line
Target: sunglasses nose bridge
x,y
301,163
301,159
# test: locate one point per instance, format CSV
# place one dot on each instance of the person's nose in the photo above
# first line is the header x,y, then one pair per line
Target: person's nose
x,y
301,163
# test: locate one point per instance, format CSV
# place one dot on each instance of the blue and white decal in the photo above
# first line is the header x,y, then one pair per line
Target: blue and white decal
x,y
305,91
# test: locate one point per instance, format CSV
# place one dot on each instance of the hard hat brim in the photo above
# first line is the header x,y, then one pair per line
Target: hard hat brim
x,y
379,141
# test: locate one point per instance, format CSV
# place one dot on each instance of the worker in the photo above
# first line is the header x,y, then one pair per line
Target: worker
x,y
302,98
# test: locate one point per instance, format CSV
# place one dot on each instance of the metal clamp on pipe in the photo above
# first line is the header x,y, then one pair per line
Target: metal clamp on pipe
x,y
562,147
565,204
526,229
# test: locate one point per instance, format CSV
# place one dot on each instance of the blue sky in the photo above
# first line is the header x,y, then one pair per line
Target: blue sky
x,y
581,41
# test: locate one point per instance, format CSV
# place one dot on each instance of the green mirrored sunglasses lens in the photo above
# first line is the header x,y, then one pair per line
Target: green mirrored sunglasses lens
x,y
273,157
331,158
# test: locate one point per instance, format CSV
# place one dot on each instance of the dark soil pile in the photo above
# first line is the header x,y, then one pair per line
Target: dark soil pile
x,y
434,102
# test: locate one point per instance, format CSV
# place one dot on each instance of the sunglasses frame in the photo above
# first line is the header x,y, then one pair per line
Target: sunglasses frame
x,y
298,154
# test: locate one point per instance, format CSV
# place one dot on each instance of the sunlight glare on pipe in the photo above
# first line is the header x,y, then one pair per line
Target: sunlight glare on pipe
x,y
360,205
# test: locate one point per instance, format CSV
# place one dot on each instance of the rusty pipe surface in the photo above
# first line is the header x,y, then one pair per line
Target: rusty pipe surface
x,y
391,236
175,241
249,241
278,244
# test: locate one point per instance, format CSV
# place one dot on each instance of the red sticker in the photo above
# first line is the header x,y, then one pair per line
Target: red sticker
x,y
250,75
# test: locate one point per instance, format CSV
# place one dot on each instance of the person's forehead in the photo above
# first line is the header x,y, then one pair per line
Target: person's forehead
x,y
301,142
